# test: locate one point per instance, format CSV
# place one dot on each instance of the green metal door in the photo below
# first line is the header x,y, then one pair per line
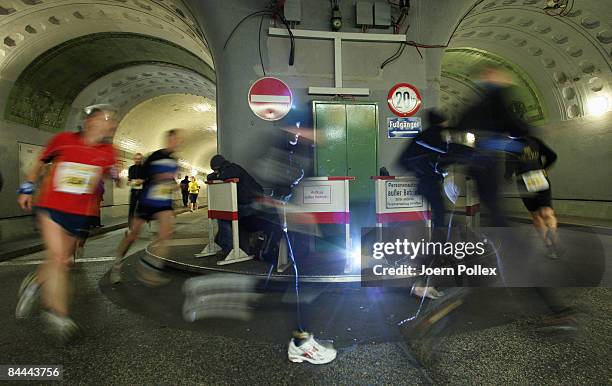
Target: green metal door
x,y
346,136
330,139
361,138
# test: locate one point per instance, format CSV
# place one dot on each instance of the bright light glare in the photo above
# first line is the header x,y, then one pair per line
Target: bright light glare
x,y
128,144
355,255
470,137
202,107
598,105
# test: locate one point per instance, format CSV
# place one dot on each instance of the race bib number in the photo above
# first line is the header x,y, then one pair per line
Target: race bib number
x,y
535,181
76,178
161,192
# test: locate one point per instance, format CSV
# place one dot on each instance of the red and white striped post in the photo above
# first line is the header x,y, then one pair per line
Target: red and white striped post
x,y
472,203
223,205
324,200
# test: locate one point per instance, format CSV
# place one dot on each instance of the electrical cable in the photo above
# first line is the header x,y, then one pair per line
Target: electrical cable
x,y
242,21
262,13
395,56
418,51
400,51
291,38
263,69
461,20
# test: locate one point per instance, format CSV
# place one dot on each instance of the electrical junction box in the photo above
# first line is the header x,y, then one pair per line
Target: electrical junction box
x,y
382,14
364,11
293,10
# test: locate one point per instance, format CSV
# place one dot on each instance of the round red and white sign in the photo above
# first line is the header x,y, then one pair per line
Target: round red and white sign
x,y
404,100
270,98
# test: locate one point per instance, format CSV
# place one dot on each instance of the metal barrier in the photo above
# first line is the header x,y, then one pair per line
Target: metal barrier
x,y
472,203
323,200
223,205
397,201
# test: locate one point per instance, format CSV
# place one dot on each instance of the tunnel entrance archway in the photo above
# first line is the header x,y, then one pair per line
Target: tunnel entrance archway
x,y
57,57
566,57
43,93
142,128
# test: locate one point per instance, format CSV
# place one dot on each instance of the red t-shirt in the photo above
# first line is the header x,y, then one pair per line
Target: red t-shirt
x,y
77,169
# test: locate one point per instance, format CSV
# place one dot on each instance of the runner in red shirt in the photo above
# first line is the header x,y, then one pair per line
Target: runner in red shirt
x,y
65,208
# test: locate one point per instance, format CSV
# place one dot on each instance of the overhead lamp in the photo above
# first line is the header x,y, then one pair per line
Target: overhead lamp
x,y
470,138
552,4
202,107
598,105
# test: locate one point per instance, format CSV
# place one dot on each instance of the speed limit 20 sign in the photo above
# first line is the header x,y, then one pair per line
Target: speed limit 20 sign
x,y
404,100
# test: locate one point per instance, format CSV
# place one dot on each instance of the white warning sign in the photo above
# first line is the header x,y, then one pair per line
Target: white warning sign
x,y
317,194
402,194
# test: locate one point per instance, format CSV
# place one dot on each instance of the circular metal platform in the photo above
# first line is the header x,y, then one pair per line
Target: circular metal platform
x,y
320,268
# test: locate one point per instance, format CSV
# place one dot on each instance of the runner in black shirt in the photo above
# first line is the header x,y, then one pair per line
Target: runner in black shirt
x,y
530,164
159,172
135,180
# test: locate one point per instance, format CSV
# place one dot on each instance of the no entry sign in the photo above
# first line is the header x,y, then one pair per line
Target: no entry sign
x,y
270,98
404,100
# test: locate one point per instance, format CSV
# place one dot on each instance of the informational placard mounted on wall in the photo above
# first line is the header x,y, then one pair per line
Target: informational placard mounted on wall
x,y
402,194
28,155
317,194
403,127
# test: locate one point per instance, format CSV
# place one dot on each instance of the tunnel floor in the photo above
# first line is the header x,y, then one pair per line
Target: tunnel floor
x,y
134,334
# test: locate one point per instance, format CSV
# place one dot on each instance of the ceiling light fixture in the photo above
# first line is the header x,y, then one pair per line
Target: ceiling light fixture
x,y
598,105
202,107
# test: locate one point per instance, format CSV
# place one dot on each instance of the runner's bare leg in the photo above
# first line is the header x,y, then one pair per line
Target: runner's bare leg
x,y
54,272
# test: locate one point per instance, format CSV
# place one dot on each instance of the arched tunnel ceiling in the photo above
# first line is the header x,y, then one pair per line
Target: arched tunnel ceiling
x,y
130,86
566,59
29,28
459,88
44,92
142,129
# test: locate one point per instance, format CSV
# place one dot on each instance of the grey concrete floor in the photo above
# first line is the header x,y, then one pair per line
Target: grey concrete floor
x,y
136,335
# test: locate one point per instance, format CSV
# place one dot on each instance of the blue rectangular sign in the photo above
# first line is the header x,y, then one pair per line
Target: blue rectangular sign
x,y
403,127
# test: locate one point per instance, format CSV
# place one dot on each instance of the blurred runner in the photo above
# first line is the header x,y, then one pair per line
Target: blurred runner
x,y
159,172
281,169
65,208
533,184
79,251
194,190
184,184
491,120
427,156
135,180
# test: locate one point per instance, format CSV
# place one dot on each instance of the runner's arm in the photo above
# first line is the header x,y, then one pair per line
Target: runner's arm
x,y
549,155
25,199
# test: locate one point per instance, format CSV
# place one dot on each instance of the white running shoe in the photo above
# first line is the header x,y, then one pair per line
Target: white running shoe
x,y
62,327
310,351
28,293
426,292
